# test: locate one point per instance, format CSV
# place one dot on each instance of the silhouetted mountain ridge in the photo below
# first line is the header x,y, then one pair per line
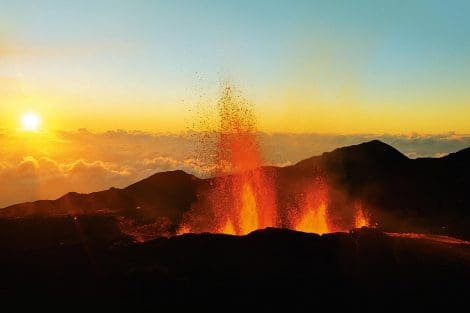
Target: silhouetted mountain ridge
x,y
374,150
428,194
462,155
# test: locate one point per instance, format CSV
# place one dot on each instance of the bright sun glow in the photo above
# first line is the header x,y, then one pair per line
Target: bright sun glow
x,y
30,121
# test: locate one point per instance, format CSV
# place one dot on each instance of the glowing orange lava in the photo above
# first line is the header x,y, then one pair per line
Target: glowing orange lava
x,y
312,215
314,221
243,191
242,196
184,229
228,228
360,218
248,213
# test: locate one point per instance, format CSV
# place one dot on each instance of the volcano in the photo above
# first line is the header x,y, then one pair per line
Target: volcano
x,y
371,184
123,248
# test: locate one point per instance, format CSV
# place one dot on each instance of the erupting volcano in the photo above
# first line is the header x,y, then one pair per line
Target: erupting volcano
x,y
243,195
242,198
137,174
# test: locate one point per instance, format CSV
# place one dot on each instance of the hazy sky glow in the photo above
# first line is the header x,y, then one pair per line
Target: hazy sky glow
x,y
313,66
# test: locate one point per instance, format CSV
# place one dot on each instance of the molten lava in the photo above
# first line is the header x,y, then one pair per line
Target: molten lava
x,y
314,221
248,213
242,195
360,218
228,228
312,215
184,229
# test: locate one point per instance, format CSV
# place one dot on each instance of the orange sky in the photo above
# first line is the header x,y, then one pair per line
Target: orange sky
x,y
327,67
286,113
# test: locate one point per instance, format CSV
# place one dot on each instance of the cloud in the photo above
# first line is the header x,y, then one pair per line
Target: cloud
x,y
285,148
31,179
85,161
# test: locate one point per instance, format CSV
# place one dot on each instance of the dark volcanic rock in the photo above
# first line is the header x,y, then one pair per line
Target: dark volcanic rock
x,y
267,269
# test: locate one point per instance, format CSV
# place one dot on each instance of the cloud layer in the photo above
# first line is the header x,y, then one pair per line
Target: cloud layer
x,y
45,166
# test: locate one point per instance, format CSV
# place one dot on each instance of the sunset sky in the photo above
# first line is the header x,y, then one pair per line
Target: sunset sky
x,y
95,94
307,66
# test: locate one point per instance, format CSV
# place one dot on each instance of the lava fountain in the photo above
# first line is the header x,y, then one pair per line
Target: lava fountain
x,y
248,212
314,220
242,196
360,217
312,215
244,193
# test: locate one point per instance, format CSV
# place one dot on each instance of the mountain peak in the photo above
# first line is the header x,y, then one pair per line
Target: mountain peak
x,y
164,178
372,149
462,155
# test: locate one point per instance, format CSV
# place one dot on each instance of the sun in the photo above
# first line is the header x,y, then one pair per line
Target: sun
x,y
30,121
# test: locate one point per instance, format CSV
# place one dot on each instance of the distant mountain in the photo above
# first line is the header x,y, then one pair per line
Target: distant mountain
x,y
401,194
166,194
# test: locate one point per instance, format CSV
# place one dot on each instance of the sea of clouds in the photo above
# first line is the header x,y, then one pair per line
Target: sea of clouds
x,y
46,166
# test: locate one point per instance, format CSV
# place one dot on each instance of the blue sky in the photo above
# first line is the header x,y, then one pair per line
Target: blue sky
x,y
332,59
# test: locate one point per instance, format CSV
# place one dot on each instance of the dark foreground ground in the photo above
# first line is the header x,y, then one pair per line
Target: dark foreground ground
x,y
69,263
